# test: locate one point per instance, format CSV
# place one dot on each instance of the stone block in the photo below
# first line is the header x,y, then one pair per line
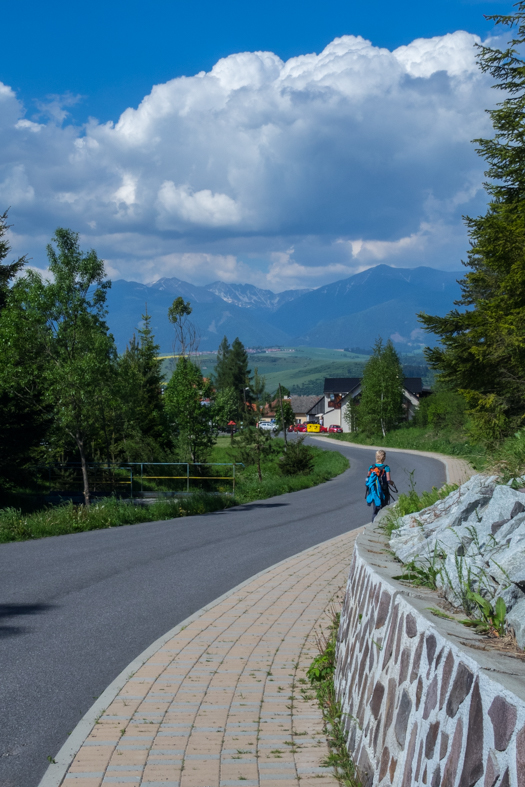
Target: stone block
x,y
377,699
491,771
473,760
516,619
460,689
503,716
403,715
430,741
451,768
520,757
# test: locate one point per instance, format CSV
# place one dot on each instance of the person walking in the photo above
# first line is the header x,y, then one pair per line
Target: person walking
x,y
378,483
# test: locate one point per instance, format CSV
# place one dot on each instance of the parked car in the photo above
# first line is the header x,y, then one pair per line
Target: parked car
x,y
334,428
266,425
323,429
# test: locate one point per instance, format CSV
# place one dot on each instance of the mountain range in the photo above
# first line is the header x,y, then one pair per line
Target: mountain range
x,y
381,301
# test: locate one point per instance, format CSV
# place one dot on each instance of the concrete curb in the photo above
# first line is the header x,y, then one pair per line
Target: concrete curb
x,y
56,772
457,470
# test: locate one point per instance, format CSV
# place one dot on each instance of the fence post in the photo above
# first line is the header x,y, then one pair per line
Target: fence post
x,y
187,478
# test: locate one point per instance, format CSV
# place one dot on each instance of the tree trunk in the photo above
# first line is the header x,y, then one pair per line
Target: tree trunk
x,y
282,415
83,464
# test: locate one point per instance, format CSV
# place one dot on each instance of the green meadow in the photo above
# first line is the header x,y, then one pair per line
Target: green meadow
x,y
303,369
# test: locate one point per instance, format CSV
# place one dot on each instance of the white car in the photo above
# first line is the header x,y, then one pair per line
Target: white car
x,y
266,425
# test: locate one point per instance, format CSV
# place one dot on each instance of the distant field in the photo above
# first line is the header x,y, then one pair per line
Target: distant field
x,y
304,370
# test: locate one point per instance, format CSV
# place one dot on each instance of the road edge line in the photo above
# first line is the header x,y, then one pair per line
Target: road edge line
x,y
57,770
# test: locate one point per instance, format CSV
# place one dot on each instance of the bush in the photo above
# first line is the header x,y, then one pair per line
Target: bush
x,y
441,411
298,458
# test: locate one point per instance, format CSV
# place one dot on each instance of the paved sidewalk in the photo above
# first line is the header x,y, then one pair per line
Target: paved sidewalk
x,y
224,702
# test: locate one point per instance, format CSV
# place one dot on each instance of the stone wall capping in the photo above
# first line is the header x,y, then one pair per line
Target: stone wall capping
x,y
434,704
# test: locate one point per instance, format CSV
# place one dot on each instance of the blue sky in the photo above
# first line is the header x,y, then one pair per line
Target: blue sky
x,y
284,144
111,53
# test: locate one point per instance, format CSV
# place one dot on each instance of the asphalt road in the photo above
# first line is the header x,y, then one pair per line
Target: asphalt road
x,y
76,610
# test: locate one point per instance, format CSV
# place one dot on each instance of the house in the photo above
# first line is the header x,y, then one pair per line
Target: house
x,y
301,405
338,391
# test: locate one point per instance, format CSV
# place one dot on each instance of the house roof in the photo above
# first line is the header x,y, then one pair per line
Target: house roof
x,y
343,385
413,384
340,385
301,404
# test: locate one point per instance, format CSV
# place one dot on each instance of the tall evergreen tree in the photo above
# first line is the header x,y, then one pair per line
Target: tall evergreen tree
x,y
144,428
482,350
24,422
232,371
7,270
222,377
381,404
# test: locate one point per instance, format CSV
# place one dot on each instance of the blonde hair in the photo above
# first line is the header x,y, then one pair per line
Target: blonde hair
x,y
380,456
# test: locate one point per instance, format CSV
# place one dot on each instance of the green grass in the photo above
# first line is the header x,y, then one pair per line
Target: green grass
x,y
68,518
15,525
411,503
248,488
303,371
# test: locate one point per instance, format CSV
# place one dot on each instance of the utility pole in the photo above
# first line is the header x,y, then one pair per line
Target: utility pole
x,y
282,414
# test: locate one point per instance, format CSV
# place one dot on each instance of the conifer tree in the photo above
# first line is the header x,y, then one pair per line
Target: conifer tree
x,y
7,270
482,350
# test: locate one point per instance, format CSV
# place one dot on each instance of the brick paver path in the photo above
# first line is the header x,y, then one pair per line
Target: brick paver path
x,y
225,703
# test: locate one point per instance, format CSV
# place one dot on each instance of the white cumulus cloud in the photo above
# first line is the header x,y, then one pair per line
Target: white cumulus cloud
x,y
301,171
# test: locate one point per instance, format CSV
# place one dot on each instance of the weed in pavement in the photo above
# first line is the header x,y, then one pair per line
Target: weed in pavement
x,y
321,675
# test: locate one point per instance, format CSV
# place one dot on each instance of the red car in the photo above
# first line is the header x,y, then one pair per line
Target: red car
x,y
299,428
334,428
323,429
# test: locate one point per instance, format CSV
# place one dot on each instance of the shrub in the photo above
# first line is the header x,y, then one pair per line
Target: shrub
x,y
298,458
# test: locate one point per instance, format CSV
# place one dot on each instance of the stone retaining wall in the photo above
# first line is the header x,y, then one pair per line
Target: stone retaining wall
x,y
426,702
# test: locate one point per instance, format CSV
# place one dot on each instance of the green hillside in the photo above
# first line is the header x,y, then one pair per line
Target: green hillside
x,y
303,369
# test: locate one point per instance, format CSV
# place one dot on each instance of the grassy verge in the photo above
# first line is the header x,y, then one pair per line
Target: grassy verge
x,y
327,464
321,676
421,439
61,520
69,518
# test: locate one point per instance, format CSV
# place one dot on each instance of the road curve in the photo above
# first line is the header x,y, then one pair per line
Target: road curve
x,y
76,610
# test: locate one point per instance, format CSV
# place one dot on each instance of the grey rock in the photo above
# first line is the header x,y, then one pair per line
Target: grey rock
x,y
518,508
516,619
498,525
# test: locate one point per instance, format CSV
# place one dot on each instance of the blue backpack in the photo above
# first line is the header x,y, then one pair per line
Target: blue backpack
x,y
377,490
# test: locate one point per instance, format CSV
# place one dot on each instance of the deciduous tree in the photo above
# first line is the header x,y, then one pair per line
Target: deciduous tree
x,y
381,404
190,420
